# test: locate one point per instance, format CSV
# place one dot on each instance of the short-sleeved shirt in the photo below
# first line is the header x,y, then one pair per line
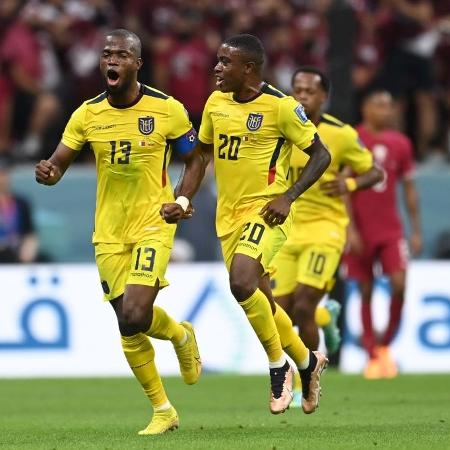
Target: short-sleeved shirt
x,y
252,149
375,209
132,147
346,149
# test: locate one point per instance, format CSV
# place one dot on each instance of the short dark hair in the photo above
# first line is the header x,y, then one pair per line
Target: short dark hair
x,y
126,34
250,45
324,80
372,92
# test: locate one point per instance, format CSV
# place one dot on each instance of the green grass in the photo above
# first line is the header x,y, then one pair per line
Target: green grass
x,y
226,412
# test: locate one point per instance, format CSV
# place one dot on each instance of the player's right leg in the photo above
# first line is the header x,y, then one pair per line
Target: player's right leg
x,y
133,305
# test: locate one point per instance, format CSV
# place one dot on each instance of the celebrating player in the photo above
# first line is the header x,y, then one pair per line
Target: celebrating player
x,y
379,237
248,127
308,260
306,263
129,127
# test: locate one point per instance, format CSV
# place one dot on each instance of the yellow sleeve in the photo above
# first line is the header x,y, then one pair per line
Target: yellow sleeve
x,y
355,153
294,125
206,133
74,136
179,119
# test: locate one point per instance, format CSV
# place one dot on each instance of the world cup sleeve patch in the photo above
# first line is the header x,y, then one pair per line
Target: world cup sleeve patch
x,y
300,111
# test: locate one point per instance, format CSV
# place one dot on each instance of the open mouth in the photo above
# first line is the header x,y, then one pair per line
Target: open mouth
x,y
112,77
219,81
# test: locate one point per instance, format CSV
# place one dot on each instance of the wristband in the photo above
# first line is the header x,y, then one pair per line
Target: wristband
x,y
183,202
351,184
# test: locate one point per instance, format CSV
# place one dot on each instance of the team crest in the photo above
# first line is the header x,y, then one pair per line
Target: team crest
x,y
146,124
254,121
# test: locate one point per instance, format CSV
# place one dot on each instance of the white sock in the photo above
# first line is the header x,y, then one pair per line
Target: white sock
x,y
304,364
277,364
163,407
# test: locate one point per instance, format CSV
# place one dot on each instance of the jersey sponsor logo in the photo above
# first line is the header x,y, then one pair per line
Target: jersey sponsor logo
x,y
219,114
254,121
105,127
301,114
146,124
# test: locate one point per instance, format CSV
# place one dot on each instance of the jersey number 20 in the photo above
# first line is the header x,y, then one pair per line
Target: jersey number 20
x,y
230,143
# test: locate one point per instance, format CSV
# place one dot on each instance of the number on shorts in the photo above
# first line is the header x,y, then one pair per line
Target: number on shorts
x,y
150,259
316,263
255,234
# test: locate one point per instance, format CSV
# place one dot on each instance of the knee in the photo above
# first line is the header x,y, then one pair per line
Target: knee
x,y
134,320
304,304
242,286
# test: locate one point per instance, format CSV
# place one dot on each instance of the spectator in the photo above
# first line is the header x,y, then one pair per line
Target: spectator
x,y
18,241
27,77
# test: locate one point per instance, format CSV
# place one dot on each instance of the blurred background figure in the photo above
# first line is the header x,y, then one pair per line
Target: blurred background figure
x,y
376,235
18,241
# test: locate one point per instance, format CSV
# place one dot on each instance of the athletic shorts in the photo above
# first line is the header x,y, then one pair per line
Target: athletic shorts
x,y
144,262
313,265
392,254
255,239
310,256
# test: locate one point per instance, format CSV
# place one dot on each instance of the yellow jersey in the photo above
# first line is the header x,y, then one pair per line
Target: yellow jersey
x,y
346,150
252,149
132,147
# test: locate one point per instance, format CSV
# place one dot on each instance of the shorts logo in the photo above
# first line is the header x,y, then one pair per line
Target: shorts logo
x,y
254,121
146,124
300,111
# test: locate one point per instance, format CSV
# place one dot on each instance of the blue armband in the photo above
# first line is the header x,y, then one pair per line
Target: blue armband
x,y
185,143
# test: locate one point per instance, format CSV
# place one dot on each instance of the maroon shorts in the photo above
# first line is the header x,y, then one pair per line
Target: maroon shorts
x,y
392,254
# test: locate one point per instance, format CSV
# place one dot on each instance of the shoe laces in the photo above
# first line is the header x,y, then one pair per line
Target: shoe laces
x,y
159,418
277,380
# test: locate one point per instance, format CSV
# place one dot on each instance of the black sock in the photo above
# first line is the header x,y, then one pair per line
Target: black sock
x,y
277,378
305,374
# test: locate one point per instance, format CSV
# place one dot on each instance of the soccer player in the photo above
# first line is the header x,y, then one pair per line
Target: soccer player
x,y
378,237
131,129
306,264
248,128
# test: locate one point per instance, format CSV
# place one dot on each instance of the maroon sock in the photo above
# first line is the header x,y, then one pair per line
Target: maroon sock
x,y
395,312
368,338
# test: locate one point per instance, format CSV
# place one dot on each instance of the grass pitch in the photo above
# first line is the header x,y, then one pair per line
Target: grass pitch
x,y
226,412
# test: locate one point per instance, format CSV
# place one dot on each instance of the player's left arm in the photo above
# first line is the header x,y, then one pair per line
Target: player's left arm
x,y
195,155
360,160
195,164
296,128
410,195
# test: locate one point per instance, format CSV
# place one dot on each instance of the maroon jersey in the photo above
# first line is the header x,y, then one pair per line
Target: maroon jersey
x,y
375,209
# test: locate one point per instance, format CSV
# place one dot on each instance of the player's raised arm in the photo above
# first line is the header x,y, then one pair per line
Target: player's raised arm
x,y
50,171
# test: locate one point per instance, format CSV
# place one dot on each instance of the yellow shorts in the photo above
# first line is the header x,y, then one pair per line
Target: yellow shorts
x,y
144,262
255,239
312,264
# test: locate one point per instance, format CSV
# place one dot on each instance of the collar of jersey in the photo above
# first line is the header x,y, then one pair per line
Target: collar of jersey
x,y
254,97
129,105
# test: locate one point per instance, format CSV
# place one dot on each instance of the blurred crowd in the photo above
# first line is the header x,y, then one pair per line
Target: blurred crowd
x,y
49,57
